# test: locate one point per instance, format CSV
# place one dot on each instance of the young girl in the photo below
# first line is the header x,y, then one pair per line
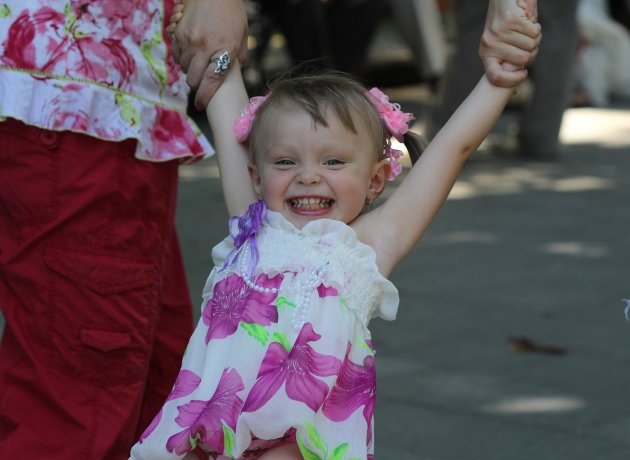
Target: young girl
x,y
281,364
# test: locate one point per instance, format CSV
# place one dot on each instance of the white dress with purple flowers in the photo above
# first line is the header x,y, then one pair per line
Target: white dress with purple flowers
x,y
282,350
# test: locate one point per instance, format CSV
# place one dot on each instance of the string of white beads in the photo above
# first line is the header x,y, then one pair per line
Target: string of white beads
x,y
304,291
243,255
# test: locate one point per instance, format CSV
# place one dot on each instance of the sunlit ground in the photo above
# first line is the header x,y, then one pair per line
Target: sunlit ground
x,y
604,127
534,405
608,128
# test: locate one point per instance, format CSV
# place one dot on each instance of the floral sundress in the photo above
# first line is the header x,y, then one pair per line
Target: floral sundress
x,y
282,351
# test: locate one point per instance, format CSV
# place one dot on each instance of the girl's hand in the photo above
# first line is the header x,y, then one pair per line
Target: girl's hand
x,y
176,16
531,9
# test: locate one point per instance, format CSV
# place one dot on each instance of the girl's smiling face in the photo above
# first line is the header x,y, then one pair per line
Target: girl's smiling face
x,y
308,171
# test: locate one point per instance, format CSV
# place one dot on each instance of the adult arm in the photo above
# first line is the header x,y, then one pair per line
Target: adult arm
x,y
206,29
511,35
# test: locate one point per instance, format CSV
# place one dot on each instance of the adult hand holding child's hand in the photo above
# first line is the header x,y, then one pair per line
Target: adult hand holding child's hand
x,y
203,32
511,35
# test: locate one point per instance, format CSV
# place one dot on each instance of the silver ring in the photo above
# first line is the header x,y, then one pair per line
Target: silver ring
x,y
222,63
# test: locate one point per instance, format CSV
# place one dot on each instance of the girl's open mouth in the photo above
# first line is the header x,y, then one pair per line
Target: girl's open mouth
x,y
311,204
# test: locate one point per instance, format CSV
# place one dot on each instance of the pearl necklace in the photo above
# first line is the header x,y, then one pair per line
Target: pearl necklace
x,y
243,255
305,291
314,279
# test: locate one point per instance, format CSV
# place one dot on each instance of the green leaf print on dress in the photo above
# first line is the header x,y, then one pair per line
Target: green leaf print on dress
x,y
257,332
156,66
228,440
282,339
339,452
282,301
5,11
316,440
127,110
319,444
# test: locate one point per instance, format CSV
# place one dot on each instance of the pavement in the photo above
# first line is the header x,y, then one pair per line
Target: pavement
x,y
511,340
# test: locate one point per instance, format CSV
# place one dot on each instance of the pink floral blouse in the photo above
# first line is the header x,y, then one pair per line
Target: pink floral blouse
x,y
101,67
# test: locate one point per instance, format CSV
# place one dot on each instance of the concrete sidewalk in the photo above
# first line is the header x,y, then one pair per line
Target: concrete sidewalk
x,y
533,251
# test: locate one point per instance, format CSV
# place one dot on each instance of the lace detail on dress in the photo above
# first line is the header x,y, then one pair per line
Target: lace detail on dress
x,y
350,264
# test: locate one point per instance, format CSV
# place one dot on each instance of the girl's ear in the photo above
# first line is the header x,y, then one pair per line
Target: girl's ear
x,y
253,173
379,178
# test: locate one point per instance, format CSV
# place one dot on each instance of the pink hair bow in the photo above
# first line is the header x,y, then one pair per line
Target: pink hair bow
x,y
397,123
243,124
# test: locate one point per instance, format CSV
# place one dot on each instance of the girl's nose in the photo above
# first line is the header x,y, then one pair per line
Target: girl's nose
x,y
308,175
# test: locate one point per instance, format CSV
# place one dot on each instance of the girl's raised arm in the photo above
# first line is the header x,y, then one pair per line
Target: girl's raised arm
x,y
224,107
395,227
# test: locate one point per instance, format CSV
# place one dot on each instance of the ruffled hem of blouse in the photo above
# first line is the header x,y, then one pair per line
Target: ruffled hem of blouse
x,y
163,133
338,233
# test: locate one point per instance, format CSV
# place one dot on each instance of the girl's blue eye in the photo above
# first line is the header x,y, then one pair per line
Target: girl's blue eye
x,y
333,162
284,162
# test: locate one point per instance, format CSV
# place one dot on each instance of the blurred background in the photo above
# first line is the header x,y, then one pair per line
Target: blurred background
x,y
511,340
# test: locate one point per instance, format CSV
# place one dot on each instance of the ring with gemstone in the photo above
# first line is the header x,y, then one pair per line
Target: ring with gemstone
x,y
222,63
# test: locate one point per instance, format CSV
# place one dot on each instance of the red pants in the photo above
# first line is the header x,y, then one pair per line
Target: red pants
x,y
93,292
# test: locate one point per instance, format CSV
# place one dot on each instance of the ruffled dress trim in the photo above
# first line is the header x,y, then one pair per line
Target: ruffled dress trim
x,y
369,293
55,103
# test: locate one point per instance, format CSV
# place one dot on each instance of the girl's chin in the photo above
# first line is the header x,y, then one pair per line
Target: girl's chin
x,y
311,213
299,218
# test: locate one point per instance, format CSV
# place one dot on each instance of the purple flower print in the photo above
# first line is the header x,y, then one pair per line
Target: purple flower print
x,y
185,384
324,291
298,368
355,387
203,420
233,301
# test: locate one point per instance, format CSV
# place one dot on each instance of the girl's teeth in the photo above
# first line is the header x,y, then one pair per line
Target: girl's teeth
x,y
311,202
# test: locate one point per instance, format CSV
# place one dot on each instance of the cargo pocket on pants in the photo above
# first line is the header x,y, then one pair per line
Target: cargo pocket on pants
x,y
101,315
